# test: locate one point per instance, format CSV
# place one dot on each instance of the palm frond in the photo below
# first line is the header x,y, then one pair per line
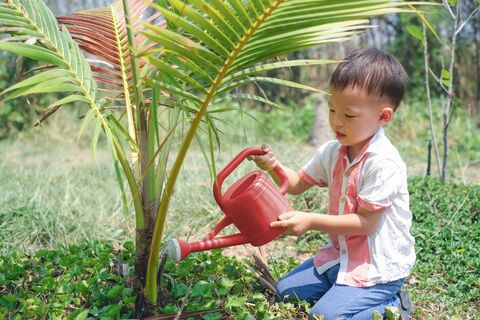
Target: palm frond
x,y
102,33
35,35
215,42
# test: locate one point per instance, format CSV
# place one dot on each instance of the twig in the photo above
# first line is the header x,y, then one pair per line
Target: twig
x,y
184,302
427,87
472,14
263,269
267,285
446,110
446,5
438,81
260,269
189,314
47,115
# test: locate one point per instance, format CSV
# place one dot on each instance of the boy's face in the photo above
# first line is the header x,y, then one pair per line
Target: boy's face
x,y
355,116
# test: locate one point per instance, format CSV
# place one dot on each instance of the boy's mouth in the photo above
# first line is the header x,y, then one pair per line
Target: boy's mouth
x,y
339,135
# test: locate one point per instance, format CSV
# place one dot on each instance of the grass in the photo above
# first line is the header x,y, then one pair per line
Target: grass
x,y
50,193
51,197
445,281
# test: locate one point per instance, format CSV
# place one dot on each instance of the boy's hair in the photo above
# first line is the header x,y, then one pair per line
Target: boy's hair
x,y
374,70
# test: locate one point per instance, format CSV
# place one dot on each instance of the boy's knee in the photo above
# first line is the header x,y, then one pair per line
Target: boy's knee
x,y
324,313
285,291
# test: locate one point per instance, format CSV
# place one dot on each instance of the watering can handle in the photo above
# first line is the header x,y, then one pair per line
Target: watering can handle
x,y
252,151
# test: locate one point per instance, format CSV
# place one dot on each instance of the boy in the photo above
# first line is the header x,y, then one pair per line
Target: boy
x,y
371,250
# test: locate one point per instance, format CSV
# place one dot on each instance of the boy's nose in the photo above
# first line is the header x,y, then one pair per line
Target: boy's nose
x,y
337,121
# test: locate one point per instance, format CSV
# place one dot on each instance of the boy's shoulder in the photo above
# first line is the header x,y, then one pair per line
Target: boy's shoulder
x,y
383,148
329,146
384,154
328,150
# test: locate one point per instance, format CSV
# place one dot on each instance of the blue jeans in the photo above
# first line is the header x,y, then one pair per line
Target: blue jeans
x,y
335,301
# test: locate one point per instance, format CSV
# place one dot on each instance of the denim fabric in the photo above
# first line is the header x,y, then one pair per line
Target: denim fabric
x,y
334,301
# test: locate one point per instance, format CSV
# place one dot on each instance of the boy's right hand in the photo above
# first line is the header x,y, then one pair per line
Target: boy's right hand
x,y
266,162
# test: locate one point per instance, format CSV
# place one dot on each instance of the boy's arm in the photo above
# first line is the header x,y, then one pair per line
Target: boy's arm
x,y
268,162
361,223
296,184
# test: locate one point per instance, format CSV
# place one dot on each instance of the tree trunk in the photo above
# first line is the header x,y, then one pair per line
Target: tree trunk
x,y
142,246
143,241
476,37
143,237
320,132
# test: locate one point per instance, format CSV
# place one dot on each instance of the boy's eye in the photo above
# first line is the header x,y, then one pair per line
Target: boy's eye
x,y
349,116
331,110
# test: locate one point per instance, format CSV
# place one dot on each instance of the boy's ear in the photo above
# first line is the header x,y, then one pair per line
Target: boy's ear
x,y
386,114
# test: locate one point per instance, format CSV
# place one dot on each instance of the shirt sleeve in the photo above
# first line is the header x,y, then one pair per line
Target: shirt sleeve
x,y
380,186
316,170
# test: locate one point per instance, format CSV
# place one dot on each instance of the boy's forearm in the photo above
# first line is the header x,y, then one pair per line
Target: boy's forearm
x,y
351,224
294,180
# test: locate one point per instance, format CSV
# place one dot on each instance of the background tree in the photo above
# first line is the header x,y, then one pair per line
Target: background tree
x,y
456,18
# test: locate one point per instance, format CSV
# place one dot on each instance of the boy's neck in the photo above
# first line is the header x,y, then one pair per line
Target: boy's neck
x,y
353,151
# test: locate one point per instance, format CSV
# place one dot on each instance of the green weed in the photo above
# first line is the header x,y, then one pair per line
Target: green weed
x,y
446,227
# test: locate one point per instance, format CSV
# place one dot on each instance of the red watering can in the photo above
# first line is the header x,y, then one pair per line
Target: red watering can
x,y
251,204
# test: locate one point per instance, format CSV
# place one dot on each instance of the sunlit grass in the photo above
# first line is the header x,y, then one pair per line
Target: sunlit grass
x,y
53,191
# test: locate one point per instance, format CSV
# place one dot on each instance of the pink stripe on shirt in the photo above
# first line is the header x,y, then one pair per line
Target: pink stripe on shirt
x,y
326,254
357,245
310,180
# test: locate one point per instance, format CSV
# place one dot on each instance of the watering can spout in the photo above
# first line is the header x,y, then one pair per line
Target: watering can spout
x,y
174,250
178,249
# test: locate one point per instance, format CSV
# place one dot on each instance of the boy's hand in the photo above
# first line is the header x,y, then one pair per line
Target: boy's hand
x,y
266,162
296,222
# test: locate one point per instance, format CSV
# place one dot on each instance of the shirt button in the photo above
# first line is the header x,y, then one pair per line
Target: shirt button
x,y
342,198
343,251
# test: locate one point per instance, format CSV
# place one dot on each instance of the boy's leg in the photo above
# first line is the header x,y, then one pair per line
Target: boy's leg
x,y
345,302
305,283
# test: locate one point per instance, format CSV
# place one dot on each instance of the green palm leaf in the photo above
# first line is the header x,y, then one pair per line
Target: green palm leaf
x,y
69,73
207,52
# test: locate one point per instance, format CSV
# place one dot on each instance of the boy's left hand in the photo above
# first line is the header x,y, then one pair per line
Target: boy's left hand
x,y
295,222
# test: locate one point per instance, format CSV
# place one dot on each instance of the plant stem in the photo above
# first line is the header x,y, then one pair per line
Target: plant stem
x,y
446,111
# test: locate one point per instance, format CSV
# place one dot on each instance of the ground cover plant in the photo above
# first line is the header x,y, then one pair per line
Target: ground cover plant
x,y
91,280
